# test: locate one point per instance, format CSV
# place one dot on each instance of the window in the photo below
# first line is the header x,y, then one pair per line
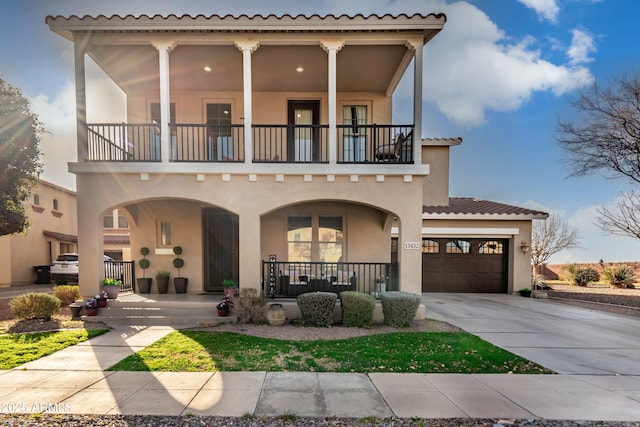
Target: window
x,y
107,221
219,135
330,238
315,238
354,136
156,116
458,247
55,205
490,247
430,246
36,199
299,237
122,222
165,234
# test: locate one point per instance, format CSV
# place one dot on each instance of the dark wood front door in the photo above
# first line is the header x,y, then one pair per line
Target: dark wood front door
x,y
303,145
220,237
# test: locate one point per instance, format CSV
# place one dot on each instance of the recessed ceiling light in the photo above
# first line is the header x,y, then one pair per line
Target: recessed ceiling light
x,y
207,68
299,69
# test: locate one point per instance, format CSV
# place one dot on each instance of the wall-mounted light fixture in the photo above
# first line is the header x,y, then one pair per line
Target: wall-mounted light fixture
x,y
524,247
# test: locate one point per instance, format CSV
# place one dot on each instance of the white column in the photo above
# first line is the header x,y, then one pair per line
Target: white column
x,y
417,46
164,47
247,47
82,143
332,48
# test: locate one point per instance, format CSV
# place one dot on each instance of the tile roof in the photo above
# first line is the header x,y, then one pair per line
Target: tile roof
x,y
473,206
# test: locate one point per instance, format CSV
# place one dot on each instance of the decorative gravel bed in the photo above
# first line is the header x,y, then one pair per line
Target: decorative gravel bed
x,y
595,297
193,421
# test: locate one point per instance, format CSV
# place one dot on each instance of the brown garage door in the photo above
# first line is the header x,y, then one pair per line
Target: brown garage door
x,y
464,265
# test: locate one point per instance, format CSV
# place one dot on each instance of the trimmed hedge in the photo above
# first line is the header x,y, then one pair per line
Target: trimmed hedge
x,y
67,294
399,308
357,309
317,308
34,306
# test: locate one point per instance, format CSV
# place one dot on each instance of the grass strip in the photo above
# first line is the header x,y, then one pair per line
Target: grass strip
x,y
16,349
421,352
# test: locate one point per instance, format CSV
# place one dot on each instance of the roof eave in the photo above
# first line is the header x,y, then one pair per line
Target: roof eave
x,y
486,217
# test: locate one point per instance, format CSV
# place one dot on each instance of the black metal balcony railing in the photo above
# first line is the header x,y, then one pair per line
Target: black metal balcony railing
x,y
289,279
207,143
271,143
123,142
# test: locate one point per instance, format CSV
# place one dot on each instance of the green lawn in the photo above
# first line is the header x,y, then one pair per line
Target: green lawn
x,y
16,349
437,352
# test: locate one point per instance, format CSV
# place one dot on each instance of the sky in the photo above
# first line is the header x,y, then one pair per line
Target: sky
x,y
501,74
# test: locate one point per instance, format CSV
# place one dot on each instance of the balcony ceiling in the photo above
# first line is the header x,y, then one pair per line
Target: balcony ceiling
x,y
373,58
360,68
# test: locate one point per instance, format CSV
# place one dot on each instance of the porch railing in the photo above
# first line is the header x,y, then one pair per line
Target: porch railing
x,y
123,142
290,279
124,271
271,143
207,143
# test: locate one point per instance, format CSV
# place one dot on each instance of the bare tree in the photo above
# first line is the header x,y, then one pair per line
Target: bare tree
x,y
624,220
550,237
607,140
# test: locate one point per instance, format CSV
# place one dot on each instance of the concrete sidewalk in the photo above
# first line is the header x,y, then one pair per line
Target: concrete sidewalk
x,y
581,397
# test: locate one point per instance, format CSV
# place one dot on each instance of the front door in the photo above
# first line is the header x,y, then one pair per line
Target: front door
x,y
302,138
220,237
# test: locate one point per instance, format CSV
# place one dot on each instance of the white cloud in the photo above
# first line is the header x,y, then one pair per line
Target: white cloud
x,y
582,46
479,68
545,9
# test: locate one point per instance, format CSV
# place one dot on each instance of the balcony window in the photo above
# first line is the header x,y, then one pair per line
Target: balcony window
x,y
355,136
219,135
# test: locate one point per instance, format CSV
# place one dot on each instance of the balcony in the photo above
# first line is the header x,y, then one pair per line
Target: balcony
x,y
290,279
364,144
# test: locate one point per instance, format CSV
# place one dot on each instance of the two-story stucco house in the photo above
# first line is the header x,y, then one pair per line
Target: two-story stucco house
x,y
266,148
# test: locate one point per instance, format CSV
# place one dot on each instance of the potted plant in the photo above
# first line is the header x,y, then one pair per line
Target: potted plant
x,y
230,288
144,283
111,287
179,282
162,278
223,307
91,307
525,292
101,299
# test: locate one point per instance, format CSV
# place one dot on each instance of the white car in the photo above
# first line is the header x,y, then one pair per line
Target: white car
x,y
65,269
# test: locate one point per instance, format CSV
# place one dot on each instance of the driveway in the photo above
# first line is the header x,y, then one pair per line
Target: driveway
x,y
563,338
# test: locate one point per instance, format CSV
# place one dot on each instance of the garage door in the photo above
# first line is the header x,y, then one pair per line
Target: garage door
x,y
464,265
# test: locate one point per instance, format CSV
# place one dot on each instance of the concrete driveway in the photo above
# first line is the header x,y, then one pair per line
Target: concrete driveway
x,y
566,339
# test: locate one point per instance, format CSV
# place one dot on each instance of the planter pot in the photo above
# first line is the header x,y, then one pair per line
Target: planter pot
x,y
91,311
75,311
112,291
102,302
180,284
144,285
163,284
223,312
276,315
526,294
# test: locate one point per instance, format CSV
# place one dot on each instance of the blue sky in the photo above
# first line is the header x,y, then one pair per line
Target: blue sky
x,y
499,75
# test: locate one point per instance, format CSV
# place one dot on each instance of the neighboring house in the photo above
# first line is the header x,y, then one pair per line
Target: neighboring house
x,y
266,148
52,231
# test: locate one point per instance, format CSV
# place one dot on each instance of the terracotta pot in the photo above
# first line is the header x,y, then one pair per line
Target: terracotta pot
x,y
112,291
91,311
223,312
102,302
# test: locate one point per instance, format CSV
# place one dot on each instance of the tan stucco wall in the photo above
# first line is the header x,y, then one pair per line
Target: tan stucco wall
x,y
19,253
436,185
250,200
519,263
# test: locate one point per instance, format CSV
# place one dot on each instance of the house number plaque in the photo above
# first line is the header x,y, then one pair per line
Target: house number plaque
x,y
412,245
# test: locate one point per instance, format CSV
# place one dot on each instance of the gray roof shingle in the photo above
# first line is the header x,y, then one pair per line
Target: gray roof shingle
x,y
473,206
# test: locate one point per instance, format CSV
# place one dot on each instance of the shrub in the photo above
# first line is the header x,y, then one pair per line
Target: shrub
x,y
249,305
67,294
357,309
317,308
399,308
619,276
581,276
34,306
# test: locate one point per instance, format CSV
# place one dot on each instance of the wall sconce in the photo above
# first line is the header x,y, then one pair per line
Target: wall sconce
x,y
524,247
